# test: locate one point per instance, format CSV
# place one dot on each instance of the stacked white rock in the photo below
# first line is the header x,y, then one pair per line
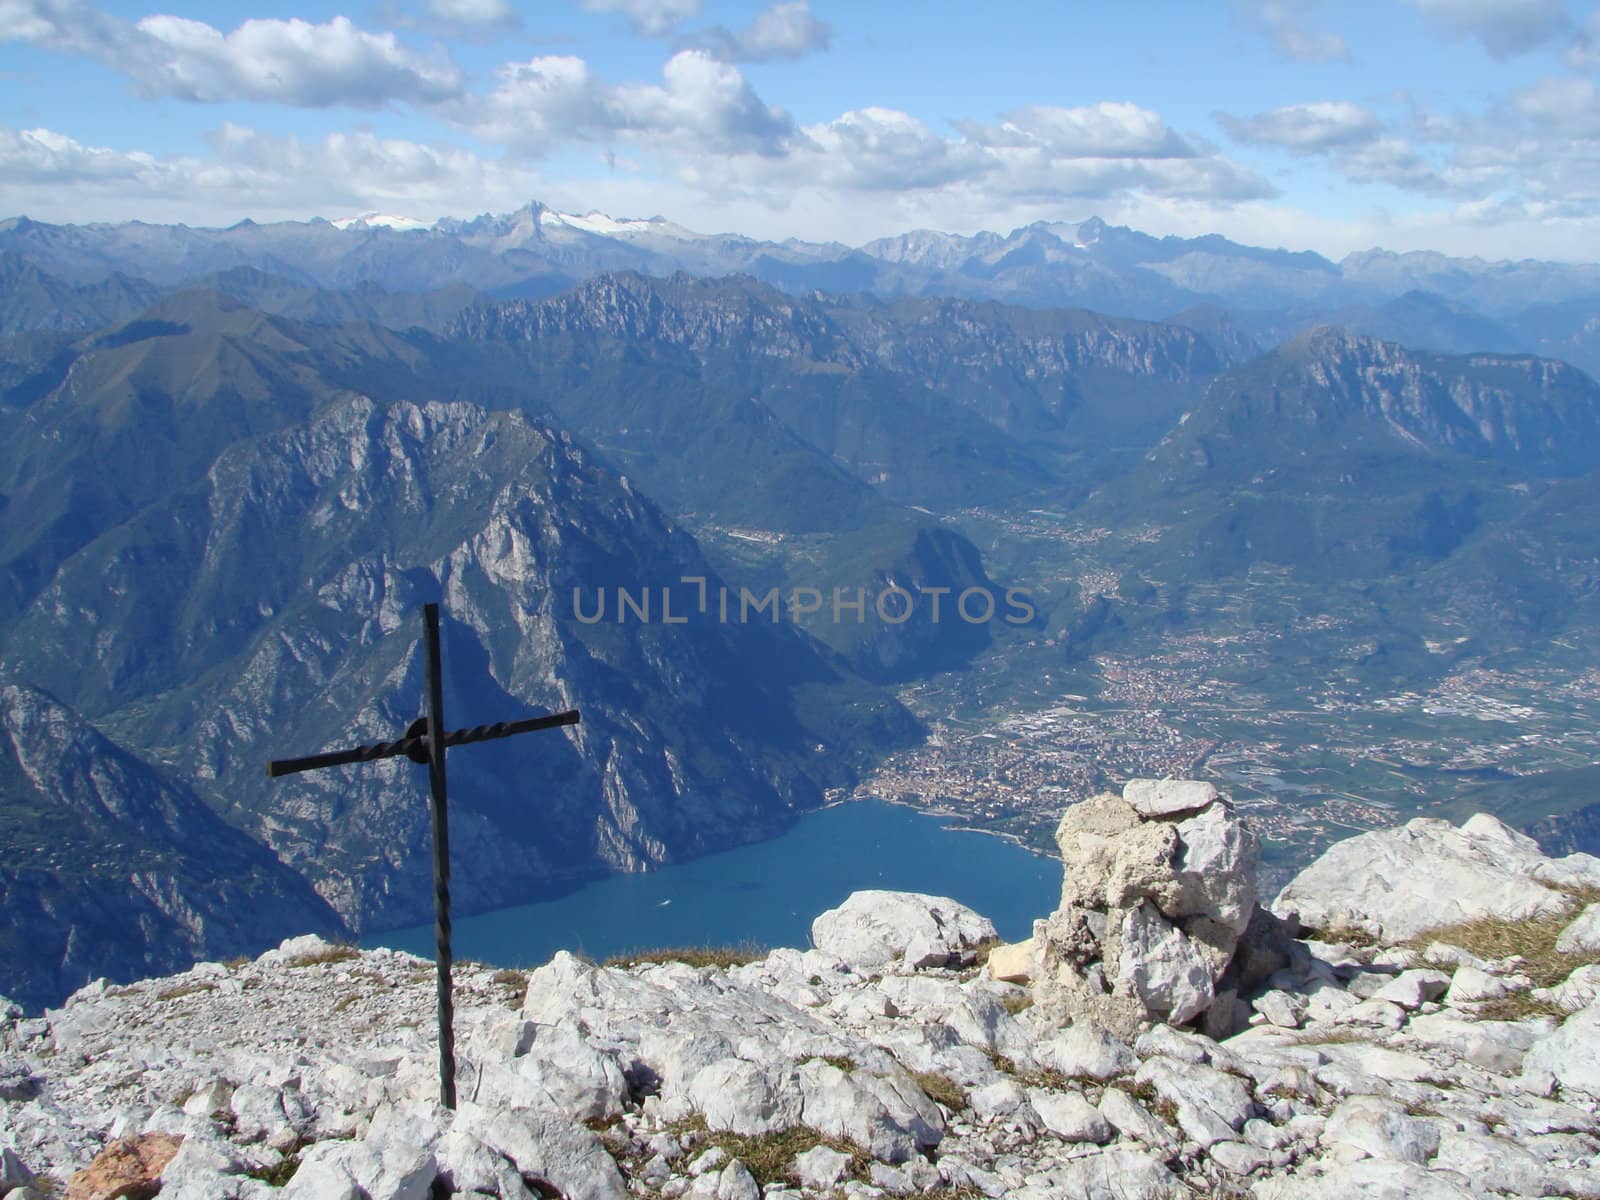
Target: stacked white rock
x,y
1158,887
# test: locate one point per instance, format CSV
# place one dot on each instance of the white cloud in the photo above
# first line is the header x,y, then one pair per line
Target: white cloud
x,y
1283,24
289,62
1505,28
1304,128
653,18
474,12
1569,105
701,105
282,61
1038,157
874,149
787,30
71,26
1584,52
249,173
1109,129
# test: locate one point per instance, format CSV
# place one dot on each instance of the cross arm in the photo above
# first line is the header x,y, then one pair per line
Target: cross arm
x,y
414,744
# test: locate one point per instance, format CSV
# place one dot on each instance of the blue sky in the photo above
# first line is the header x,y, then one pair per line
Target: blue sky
x,y
1465,126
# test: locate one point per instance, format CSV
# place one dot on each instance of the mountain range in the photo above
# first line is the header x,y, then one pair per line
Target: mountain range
x,y
237,461
1421,299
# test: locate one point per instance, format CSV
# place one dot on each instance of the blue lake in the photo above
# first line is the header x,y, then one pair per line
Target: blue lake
x,y
766,893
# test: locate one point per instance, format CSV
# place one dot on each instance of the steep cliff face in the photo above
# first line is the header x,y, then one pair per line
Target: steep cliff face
x,y
250,617
1346,392
113,869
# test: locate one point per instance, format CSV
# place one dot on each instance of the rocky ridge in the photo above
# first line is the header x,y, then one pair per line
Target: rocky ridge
x,y
884,1060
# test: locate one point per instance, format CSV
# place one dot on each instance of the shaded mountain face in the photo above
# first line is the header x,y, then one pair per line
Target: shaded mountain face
x,y
117,419
250,615
113,869
1338,393
1346,457
31,300
944,379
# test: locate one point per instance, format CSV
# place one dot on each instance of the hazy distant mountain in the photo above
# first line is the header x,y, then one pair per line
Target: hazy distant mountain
x,y
32,300
1417,320
536,252
1343,456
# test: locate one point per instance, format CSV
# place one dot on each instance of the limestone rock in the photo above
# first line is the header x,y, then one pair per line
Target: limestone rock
x,y
1069,1116
1382,1129
1122,1172
1578,990
1212,1105
1012,963
1380,1091
873,929
1398,883
547,1147
300,951
820,1167
736,1183
1131,1119
1571,1053
739,1096
1086,1050
1284,1009
1370,1179
1167,797
14,1172
1583,935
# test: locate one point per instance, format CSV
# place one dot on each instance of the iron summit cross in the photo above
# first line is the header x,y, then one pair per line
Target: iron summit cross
x,y
425,741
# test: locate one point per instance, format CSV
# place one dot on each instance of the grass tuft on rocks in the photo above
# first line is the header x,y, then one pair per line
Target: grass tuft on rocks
x,y
185,989
941,1089
1518,1006
1353,936
1532,940
337,953
770,1156
513,985
1046,1077
837,1061
985,948
1145,1093
281,1172
693,956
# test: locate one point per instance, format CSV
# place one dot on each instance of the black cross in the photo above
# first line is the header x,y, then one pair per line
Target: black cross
x,y
423,742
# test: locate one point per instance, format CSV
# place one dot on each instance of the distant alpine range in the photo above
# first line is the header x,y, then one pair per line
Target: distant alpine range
x,y
1423,300
1273,513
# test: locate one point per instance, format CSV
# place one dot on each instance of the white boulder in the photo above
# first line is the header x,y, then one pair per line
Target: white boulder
x,y
1427,874
1583,935
873,929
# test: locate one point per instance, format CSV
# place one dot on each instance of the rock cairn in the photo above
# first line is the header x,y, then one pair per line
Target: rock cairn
x,y
1158,918
886,1059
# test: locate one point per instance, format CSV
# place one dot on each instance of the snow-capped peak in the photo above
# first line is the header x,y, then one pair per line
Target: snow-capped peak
x,y
374,220
606,226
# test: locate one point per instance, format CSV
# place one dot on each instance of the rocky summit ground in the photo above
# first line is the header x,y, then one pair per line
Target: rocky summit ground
x,y
1415,1016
